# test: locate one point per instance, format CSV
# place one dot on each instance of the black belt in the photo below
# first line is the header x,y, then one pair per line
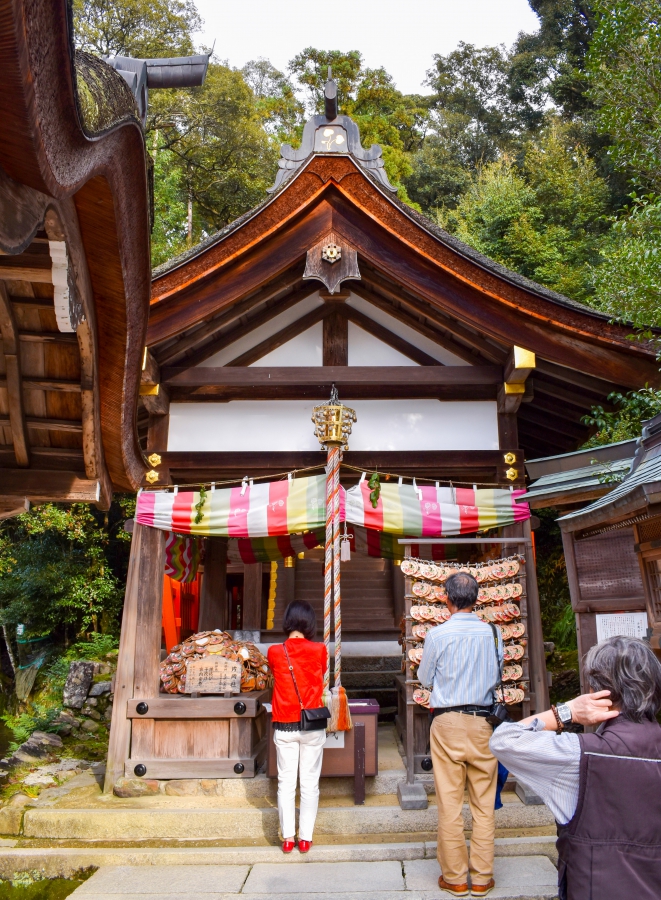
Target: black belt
x,y
482,711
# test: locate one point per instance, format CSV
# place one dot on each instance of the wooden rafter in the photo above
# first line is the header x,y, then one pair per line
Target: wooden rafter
x,y
61,385
42,424
11,347
420,324
276,291
243,328
227,382
48,337
46,484
417,305
281,337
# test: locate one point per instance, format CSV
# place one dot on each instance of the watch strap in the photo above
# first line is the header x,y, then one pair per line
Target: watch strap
x,y
559,721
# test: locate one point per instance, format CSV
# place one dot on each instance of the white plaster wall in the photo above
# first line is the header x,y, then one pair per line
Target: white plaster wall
x,y
306,349
264,331
244,425
413,337
367,350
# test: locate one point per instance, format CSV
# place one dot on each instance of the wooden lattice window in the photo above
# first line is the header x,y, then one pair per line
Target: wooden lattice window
x,y
607,567
649,530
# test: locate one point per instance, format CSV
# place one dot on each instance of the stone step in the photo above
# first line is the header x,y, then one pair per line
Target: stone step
x,y
415,879
65,862
196,820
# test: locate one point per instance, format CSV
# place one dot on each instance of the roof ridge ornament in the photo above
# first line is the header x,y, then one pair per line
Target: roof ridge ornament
x,y
330,133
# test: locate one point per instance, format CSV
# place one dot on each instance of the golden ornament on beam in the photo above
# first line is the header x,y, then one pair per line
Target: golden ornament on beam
x,y
512,474
333,422
151,477
155,460
509,459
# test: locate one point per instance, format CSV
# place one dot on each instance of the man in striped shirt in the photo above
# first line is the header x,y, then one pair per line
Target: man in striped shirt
x,y
461,663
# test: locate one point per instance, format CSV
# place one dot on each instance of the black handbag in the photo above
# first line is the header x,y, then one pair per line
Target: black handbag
x,y
311,719
498,713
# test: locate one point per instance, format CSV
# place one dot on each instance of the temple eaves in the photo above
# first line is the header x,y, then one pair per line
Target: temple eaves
x,y
331,133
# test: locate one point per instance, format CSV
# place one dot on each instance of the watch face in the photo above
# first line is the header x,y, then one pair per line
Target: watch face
x,y
564,712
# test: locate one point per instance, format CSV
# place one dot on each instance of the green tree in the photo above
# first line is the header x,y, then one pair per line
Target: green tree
x,y
625,420
141,28
544,219
280,110
217,154
628,281
170,233
470,91
550,63
62,569
625,84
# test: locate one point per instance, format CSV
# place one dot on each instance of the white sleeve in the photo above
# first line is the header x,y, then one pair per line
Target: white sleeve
x,y
546,762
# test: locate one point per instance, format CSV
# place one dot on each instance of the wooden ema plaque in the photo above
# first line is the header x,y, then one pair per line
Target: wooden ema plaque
x,y
213,675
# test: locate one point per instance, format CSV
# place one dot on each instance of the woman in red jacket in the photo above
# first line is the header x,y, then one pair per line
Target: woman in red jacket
x,y
297,749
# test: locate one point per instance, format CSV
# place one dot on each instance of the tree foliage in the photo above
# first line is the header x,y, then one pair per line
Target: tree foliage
x,y
543,218
625,420
625,84
140,28
217,154
62,569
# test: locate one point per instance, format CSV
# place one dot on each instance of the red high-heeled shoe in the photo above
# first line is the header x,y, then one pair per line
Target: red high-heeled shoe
x,y
288,846
304,846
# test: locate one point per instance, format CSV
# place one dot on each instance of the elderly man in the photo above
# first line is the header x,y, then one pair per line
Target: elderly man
x,y
461,662
603,788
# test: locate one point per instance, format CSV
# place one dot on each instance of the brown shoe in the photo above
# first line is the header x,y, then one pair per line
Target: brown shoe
x,y
457,890
481,890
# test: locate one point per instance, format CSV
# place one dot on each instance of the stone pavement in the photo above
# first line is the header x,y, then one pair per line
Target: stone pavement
x,y
517,878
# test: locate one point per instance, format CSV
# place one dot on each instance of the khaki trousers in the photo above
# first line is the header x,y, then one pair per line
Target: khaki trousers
x,y
462,759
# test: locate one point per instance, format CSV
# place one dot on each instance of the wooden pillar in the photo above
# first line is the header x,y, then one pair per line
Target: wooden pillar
x,y
398,592
538,682
252,597
336,340
213,597
140,642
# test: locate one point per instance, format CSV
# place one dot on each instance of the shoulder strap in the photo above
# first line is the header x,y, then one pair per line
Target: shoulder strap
x,y
498,664
293,678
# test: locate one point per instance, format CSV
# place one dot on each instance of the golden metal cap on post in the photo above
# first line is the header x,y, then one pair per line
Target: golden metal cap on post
x,y
332,422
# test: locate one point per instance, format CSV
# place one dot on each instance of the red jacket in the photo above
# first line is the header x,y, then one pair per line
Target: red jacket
x,y
309,662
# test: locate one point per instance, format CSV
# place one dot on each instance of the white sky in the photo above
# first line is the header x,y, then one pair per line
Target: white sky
x,y
400,35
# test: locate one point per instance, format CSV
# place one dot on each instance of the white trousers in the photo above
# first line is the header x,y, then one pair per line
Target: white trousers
x,y
296,749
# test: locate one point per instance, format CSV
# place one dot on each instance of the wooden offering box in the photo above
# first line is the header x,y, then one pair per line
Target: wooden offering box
x,y
179,736
340,761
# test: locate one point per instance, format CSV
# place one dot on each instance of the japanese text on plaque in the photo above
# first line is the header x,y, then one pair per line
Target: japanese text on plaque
x,y
213,675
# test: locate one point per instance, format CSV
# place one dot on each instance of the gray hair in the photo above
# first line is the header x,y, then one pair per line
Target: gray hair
x,y
462,590
628,668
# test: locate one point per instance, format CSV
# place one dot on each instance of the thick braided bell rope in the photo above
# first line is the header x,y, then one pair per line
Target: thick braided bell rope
x,y
337,610
328,563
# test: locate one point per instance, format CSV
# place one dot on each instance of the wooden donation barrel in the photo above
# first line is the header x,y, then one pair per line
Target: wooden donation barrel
x,y
180,736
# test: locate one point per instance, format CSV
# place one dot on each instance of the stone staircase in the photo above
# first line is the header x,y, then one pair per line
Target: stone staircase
x,y
373,677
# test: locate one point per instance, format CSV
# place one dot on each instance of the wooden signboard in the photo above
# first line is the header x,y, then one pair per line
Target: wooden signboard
x,y
213,675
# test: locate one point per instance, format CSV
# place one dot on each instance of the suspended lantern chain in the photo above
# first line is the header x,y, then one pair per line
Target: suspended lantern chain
x,y
333,423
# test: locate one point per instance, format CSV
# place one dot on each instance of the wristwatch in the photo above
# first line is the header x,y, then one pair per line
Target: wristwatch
x,y
563,715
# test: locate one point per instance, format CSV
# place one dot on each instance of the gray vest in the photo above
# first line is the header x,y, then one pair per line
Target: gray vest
x,y
611,848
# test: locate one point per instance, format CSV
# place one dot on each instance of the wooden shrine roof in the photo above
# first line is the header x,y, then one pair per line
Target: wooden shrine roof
x,y
409,268
75,210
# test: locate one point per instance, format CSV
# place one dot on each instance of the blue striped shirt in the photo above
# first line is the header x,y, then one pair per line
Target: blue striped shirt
x,y
546,762
459,662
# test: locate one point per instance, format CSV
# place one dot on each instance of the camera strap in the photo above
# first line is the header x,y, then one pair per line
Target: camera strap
x,y
499,683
